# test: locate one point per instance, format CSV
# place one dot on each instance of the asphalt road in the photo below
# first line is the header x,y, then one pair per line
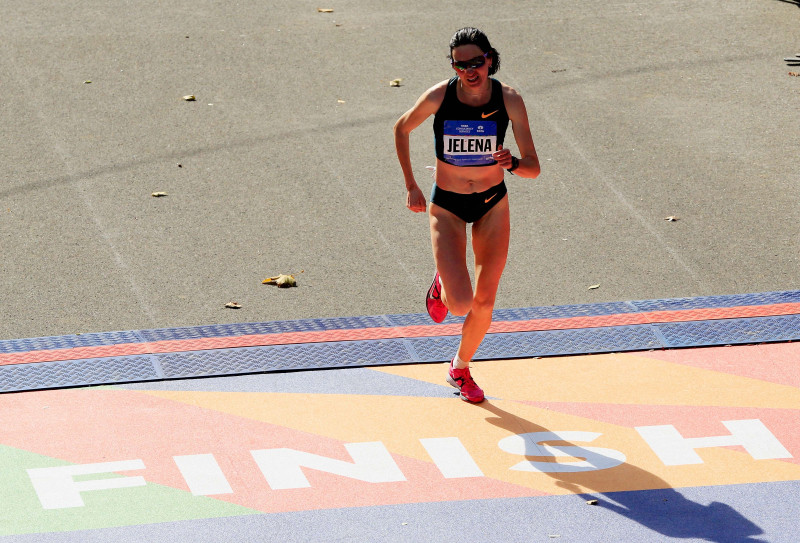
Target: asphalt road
x,y
285,162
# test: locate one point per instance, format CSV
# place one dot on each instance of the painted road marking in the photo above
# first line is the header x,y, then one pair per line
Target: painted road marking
x,y
86,458
451,457
675,450
285,468
58,489
586,458
372,463
203,474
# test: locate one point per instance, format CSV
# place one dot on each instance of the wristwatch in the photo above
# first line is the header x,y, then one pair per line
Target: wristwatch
x,y
514,164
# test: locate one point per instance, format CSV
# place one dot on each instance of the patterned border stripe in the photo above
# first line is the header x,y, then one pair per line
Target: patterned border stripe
x,y
377,333
119,357
123,369
733,300
68,342
383,352
63,343
735,331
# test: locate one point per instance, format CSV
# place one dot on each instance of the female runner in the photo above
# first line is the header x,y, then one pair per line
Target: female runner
x,y
471,113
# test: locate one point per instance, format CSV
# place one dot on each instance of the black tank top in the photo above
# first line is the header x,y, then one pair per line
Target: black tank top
x,y
467,135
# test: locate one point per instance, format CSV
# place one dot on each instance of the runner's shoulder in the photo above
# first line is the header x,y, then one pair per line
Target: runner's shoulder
x,y
510,94
435,94
513,100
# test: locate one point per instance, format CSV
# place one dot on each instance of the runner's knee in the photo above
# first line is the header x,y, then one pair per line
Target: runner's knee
x,y
459,305
482,303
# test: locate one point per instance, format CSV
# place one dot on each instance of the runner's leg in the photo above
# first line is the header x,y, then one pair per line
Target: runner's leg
x,y
490,239
449,242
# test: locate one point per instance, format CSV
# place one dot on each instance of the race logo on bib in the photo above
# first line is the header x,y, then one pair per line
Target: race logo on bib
x,y
469,143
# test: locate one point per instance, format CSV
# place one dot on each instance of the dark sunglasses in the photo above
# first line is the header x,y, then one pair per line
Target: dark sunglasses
x,y
473,63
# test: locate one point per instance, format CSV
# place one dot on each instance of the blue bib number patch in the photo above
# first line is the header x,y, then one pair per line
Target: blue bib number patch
x,y
469,143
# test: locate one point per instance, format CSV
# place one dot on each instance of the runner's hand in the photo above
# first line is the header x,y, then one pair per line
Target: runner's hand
x,y
415,200
502,157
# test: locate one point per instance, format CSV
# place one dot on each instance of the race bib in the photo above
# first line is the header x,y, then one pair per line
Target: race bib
x,y
469,143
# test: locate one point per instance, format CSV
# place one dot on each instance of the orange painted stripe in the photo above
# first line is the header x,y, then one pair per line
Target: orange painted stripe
x,y
499,327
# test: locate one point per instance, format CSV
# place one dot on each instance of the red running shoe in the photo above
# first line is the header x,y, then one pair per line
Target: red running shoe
x,y
433,301
463,381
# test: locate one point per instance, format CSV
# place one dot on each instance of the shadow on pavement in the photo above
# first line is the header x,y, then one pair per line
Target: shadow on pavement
x,y
66,179
656,507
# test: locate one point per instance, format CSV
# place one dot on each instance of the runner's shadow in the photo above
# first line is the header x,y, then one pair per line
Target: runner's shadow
x,y
656,505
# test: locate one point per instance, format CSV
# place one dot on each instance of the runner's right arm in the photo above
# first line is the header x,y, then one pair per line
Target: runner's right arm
x,y
426,105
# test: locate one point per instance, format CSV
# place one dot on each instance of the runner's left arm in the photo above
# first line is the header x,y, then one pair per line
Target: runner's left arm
x,y
529,161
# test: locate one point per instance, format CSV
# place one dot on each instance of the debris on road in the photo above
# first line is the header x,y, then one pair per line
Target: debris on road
x,y
281,281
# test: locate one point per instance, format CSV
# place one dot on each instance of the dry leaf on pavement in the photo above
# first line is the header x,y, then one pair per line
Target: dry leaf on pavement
x,y
282,281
